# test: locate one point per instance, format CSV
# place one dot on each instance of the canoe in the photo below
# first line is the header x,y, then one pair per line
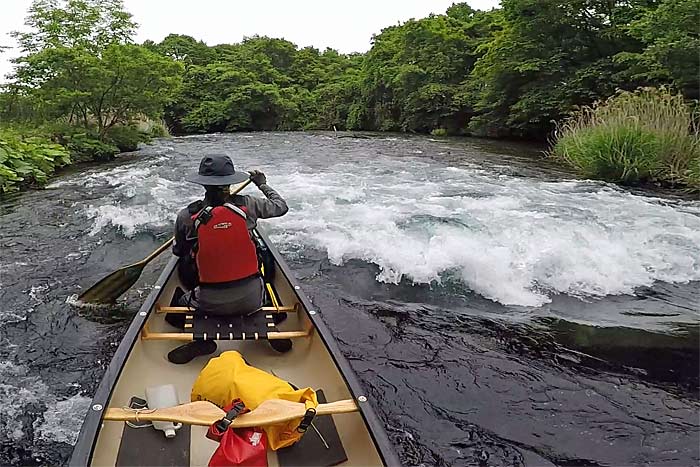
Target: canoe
x,y
356,437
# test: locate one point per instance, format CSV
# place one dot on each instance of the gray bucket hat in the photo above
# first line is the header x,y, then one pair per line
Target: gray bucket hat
x,y
217,170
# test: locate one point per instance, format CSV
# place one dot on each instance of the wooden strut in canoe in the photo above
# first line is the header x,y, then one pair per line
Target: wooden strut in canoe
x,y
184,309
146,335
270,412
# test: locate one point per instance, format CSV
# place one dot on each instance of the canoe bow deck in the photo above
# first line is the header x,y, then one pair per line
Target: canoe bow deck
x,y
315,360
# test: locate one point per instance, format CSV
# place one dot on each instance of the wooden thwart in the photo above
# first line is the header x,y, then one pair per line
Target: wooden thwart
x,y
270,412
184,309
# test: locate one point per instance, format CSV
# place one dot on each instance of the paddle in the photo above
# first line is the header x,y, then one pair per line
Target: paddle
x,y
109,288
270,412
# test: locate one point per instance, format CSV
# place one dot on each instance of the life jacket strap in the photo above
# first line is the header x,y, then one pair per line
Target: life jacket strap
x,y
203,217
205,214
236,209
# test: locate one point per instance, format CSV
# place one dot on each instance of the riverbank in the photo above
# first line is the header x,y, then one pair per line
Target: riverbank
x,y
31,154
79,148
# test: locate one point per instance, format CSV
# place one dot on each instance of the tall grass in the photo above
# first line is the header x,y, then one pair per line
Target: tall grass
x,y
693,175
153,128
632,137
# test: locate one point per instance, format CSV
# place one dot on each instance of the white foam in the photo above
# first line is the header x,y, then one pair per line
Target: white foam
x,y
15,397
21,394
514,240
62,420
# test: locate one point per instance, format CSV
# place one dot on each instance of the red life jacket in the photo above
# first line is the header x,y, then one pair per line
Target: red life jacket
x,y
225,251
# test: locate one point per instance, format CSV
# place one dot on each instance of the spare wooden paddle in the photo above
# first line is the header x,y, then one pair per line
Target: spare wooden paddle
x,y
109,288
270,412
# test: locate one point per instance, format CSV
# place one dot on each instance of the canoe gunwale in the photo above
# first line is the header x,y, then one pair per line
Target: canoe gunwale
x,y
377,431
87,439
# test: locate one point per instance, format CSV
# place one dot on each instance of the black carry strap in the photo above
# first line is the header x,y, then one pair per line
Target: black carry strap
x,y
308,416
306,421
203,217
237,409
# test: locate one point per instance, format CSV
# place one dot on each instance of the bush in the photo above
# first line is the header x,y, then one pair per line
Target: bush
x,y
87,148
84,145
615,153
126,138
439,132
631,138
159,130
27,159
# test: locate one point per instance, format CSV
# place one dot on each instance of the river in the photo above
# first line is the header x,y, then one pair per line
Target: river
x,y
498,310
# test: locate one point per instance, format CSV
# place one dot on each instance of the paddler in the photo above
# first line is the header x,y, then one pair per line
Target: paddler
x,y
218,258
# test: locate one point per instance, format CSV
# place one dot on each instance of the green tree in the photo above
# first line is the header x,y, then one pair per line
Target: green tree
x,y
124,83
78,64
551,56
414,73
91,25
671,34
184,49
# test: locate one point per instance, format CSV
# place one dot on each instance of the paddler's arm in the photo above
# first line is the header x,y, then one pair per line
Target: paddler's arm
x,y
273,205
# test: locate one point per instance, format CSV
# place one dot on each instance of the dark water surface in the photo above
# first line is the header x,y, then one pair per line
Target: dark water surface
x,y
498,311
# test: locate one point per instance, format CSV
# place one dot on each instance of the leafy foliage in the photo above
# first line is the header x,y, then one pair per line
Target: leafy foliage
x,y
91,25
27,159
671,34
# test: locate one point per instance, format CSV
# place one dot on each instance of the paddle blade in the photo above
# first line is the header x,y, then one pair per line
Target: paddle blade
x,y
112,286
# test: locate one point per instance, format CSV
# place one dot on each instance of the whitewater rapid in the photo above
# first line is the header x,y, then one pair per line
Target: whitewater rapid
x,y
512,239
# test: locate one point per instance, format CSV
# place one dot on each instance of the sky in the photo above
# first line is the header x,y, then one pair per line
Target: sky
x,y
346,26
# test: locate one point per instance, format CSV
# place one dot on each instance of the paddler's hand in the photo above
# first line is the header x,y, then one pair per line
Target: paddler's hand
x,y
258,177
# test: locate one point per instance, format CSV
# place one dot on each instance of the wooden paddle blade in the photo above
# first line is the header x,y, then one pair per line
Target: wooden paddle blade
x,y
274,411
270,412
108,289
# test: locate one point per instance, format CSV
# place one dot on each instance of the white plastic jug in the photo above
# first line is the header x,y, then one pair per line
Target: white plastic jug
x,y
159,397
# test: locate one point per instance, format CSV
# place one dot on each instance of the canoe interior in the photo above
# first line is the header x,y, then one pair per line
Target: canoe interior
x,y
309,363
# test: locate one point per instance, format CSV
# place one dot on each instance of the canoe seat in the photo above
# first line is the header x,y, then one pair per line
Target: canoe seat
x,y
216,327
260,325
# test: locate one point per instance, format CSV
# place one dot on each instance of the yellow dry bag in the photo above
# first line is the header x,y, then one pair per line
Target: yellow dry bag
x,y
228,377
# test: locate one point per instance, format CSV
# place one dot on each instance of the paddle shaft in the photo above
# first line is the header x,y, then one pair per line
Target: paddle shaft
x,y
204,413
160,250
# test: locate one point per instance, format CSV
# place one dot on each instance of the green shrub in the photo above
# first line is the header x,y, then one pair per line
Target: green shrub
x,y
84,145
615,153
87,148
439,132
126,138
631,138
159,130
27,159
